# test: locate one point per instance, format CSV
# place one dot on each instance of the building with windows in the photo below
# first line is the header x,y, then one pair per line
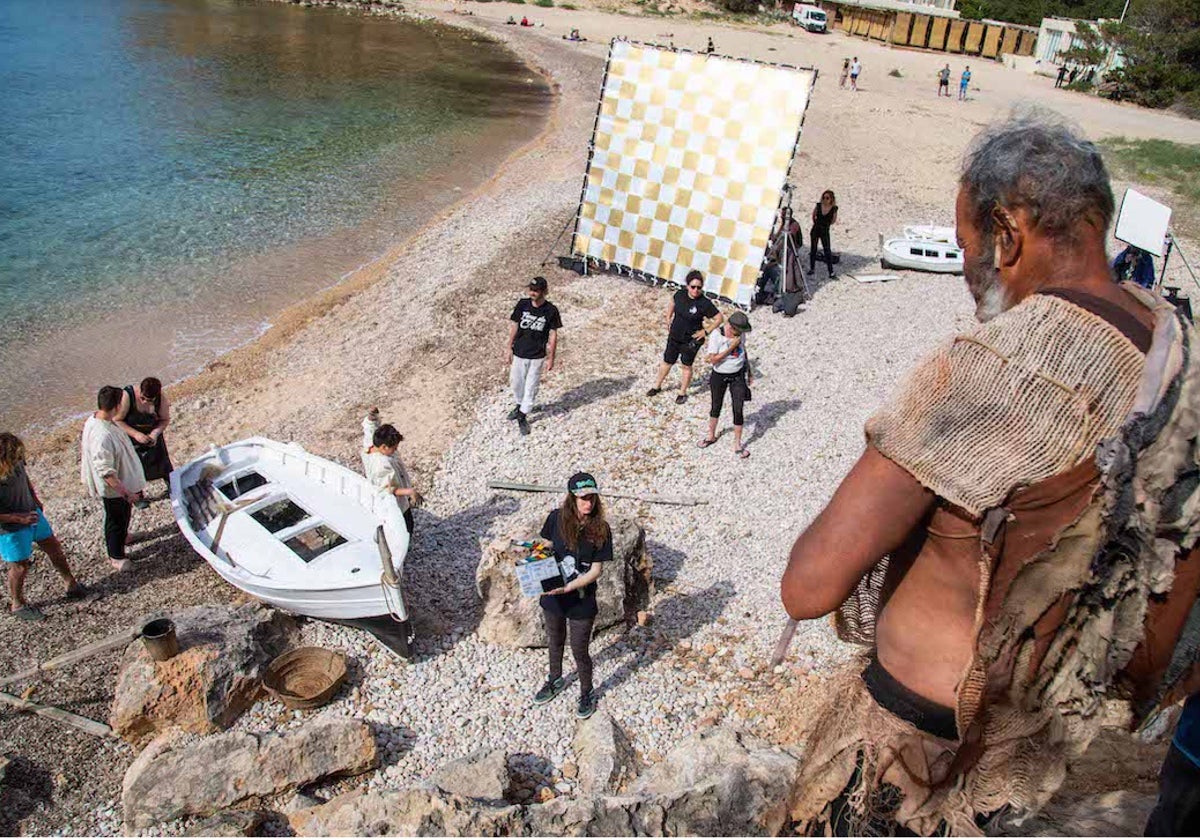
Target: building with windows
x,y
930,26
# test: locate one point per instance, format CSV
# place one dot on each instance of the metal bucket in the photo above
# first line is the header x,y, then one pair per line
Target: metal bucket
x,y
159,638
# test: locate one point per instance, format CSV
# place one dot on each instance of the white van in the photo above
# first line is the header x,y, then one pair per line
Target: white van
x,y
810,17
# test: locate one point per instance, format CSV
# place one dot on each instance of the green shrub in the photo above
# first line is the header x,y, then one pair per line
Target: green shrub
x,y
545,4
518,2
895,73
570,7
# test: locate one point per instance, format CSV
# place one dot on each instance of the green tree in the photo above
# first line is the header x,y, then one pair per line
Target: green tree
x,y
1089,47
1159,42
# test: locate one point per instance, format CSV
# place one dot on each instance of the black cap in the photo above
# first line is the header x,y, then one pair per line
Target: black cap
x,y
583,484
539,283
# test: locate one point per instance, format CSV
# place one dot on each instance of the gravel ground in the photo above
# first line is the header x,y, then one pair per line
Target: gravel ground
x,y
422,338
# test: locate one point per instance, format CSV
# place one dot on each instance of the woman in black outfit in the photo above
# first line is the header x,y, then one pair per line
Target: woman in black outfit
x,y
824,215
582,539
144,415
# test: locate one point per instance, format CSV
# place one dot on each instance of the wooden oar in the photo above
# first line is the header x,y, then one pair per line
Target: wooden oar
x,y
54,713
85,652
542,488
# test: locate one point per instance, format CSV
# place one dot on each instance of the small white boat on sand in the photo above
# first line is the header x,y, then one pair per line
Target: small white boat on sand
x,y
933,233
299,532
921,254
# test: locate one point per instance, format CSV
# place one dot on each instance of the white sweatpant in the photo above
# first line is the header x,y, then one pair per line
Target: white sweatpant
x,y
525,378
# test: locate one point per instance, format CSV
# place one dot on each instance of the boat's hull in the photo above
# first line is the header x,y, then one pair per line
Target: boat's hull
x,y
897,253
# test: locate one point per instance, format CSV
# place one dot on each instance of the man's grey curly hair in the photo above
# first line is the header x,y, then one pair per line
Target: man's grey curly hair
x,y
1034,161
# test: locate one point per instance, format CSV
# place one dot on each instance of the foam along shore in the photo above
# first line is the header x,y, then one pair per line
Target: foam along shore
x,y
421,336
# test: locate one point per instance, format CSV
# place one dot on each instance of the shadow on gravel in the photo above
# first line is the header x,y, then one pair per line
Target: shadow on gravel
x,y
157,558
26,786
847,264
667,561
763,420
588,392
439,572
683,613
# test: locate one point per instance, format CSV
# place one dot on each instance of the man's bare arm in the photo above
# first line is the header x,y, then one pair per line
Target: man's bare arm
x,y
874,509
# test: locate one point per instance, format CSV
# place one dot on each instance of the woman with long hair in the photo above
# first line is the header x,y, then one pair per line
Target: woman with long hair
x,y
824,215
582,542
22,524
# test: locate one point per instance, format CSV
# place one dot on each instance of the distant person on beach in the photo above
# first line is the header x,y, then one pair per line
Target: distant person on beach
x,y
383,468
1009,556
583,543
144,414
963,83
112,472
855,70
512,21
1074,75
845,72
730,372
824,216
525,22
710,49
944,80
1062,74
22,523
532,342
686,314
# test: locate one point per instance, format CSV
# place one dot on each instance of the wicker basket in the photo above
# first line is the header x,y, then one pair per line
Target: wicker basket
x,y
305,678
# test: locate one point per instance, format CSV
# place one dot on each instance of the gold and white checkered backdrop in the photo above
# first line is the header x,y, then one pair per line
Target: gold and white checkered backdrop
x,y
689,157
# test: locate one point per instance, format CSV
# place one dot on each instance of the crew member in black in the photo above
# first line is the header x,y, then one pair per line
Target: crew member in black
x,y
824,215
685,332
532,342
144,415
582,542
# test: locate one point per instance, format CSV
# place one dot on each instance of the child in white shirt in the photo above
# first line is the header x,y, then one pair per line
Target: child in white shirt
x,y
385,471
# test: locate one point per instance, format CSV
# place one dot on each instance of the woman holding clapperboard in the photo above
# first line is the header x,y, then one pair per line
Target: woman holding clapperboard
x,y
582,541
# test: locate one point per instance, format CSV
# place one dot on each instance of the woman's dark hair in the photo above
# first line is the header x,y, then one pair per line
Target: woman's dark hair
x,y
151,388
12,453
694,275
387,435
109,398
572,526
832,197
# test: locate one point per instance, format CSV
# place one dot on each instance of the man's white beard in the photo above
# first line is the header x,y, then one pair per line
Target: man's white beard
x,y
983,281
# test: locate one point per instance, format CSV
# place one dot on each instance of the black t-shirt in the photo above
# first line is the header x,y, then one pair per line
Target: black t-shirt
x,y
582,602
16,496
533,327
690,315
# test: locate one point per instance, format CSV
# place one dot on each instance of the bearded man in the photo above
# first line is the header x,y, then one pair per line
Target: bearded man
x,y
1014,546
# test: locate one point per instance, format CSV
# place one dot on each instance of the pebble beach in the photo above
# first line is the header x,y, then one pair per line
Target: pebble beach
x,y
420,333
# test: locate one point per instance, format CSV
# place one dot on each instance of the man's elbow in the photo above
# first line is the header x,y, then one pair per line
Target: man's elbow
x,y
805,597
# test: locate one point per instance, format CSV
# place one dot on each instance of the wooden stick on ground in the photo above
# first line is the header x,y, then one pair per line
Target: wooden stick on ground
x,y
542,488
54,713
785,639
85,652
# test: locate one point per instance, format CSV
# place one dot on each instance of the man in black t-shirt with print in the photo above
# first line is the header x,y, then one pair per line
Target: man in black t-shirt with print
x,y
686,314
532,341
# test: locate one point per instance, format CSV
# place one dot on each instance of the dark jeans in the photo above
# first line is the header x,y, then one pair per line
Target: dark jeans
x,y
409,522
581,638
116,526
1177,813
822,236
718,384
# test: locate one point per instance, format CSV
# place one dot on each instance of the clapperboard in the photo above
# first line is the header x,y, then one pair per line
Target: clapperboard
x,y
537,577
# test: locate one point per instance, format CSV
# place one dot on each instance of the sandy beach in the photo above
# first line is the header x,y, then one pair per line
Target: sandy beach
x,y
420,333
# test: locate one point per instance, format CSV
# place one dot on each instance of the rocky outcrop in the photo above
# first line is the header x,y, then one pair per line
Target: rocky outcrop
x,y
168,781
1118,813
215,677
606,759
512,620
718,783
480,775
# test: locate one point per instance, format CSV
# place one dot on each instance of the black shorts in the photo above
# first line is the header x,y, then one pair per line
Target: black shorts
x,y
944,83
683,352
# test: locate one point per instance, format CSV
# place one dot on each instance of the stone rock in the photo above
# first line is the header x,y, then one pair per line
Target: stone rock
x,y
300,802
1118,813
168,781
4,762
417,812
606,757
215,677
512,620
229,824
480,775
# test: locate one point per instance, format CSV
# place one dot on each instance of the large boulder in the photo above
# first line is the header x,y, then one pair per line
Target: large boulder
x,y
480,775
513,620
606,758
216,675
168,780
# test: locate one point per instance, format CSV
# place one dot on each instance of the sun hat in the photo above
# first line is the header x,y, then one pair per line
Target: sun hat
x,y
740,321
539,283
583,484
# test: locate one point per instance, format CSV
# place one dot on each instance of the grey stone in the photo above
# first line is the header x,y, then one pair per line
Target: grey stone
x,y
480,775
606,757
169,781
512,620
418,812
1118,813
229,824
216,675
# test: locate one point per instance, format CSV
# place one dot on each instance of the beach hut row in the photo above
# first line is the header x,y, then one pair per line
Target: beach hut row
x,y
932,28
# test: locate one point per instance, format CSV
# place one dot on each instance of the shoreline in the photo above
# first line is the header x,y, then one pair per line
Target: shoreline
x,y
420,333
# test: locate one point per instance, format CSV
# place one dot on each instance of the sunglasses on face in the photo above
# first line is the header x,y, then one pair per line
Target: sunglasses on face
x,y
695,287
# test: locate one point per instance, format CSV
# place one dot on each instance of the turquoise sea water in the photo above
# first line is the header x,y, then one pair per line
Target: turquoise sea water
x,y
173,172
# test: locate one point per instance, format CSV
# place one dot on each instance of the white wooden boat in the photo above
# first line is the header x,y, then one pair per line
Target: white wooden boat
x,y
294,530
933,233
920,255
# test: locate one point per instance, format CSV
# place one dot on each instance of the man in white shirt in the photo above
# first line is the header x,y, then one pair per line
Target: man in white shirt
x,y
855,69
110,471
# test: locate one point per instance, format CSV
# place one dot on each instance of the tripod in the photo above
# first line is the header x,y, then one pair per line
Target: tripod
x,y
792,273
